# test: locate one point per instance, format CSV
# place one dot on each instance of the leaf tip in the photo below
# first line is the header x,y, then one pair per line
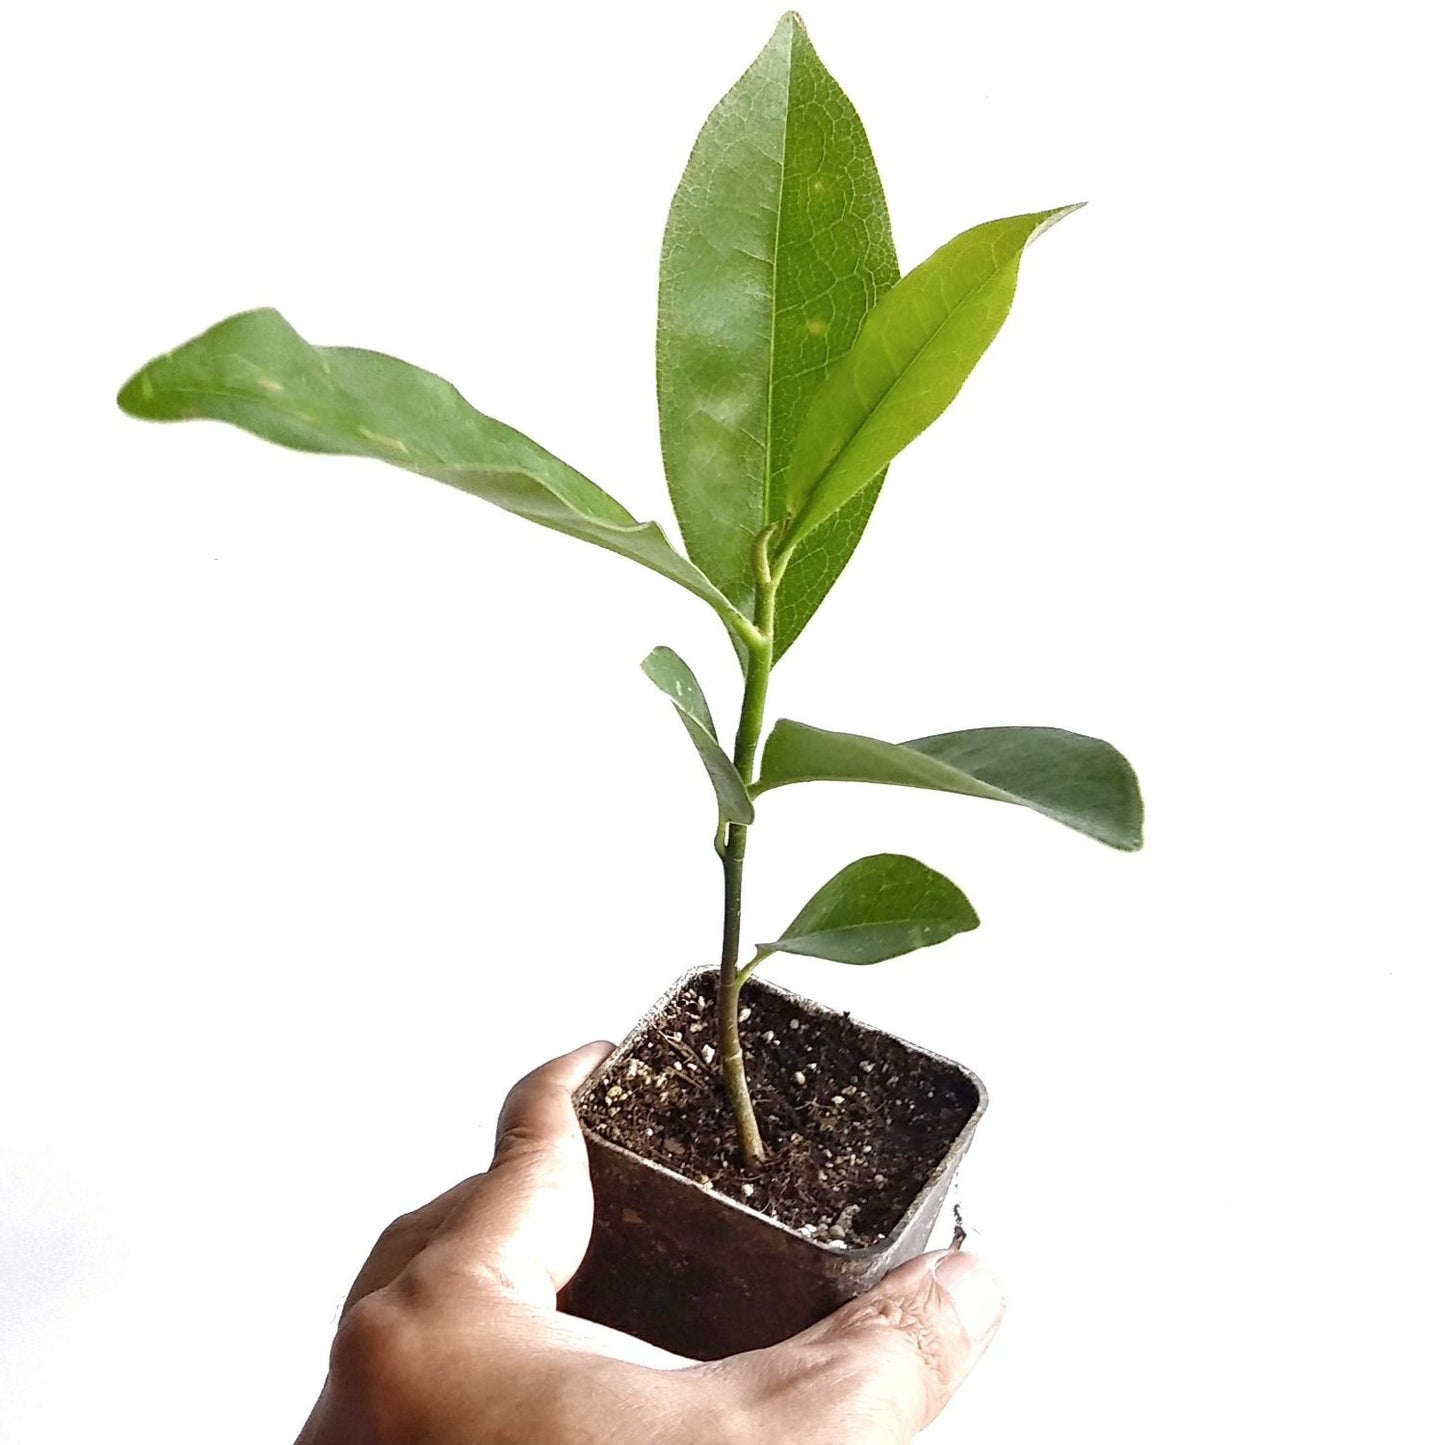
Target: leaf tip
x,y
789,27
135,397
1052,218
1127,835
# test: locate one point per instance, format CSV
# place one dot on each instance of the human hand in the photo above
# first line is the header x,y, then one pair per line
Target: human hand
x,y
451,1334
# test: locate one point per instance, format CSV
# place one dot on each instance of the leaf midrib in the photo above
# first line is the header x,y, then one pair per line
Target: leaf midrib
x,y
412,454
633,525
769,423
1002,795
859,927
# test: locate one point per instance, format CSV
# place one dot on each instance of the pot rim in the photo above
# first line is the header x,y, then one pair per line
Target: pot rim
x,y
945,1166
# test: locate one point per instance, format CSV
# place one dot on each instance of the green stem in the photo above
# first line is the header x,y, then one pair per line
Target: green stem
x,y
730,1046
733,851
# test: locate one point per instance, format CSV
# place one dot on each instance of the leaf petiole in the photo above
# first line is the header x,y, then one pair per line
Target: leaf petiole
x,y
748,969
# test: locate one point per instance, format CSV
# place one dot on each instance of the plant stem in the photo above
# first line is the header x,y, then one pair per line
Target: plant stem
x,y
730,1047
733,851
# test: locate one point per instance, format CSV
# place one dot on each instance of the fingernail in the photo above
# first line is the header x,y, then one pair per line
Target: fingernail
x,y
973,1289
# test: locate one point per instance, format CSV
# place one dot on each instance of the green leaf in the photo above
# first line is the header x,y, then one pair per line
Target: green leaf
x,y
677,680
255,372
776,247
914,353
816,564
1079,781
877,908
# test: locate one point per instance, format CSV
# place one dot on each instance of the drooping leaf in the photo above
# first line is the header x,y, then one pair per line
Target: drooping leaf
x,y
677,680
877,908
255,372
777,245
1079,781
914,353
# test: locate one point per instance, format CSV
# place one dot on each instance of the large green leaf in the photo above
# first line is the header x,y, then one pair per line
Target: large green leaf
x,y
255,372
912,356
877,908
1079,781
816,563
677,680
776,247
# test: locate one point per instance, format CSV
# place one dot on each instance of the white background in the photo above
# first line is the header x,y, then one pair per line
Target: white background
x,y
333,800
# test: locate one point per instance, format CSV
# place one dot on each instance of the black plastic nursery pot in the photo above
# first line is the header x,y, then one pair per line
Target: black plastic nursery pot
x,y
695,1254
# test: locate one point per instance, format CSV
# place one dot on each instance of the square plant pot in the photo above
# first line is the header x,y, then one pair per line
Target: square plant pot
x,y
699,1256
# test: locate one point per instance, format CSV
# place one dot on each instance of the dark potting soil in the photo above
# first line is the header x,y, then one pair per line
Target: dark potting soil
x,y
853,1122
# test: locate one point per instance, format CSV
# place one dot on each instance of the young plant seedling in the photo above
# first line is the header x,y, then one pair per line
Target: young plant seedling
x,y
793,365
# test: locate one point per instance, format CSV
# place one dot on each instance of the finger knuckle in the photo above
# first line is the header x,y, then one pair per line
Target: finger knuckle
x,y
372,1350
437,1275
836,1389
402,1228
521,1139
908,1324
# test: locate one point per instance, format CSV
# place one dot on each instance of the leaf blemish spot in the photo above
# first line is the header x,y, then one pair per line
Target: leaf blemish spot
x,y
383,441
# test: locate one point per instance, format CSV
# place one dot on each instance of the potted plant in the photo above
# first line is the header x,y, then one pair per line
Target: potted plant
x,y
757,1158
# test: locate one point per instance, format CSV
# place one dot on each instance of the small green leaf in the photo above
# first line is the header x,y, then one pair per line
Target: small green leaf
x,y
777,245
677,680
912,356
877,908
255,372
1079,781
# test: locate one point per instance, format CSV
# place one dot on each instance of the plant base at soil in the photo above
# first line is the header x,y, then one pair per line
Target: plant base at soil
x,y
705,1258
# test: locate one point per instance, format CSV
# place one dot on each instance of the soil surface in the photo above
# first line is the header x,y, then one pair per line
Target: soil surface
x,y
854,1122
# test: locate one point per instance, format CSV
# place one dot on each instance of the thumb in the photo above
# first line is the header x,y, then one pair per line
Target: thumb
x,y
883,1366
524,1226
